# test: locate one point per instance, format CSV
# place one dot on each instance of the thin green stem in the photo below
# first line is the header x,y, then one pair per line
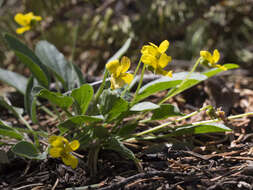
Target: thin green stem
x,y
159,127
175,91
137,68
74,43
135,73
36,138
101,88
139,85
57,113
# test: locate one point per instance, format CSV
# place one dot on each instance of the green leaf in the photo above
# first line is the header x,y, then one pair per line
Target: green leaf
x,y
18,46
30,100
8,131
165,83
127,129
199,129
82,97
115,144
80,75
165,111
56,98
35,69
111,105
121,51
78,121
15,80
27,150
144,106
55,61
188,84
216,71
14,110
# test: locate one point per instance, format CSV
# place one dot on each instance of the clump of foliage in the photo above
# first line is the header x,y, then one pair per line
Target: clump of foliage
x,y
92,119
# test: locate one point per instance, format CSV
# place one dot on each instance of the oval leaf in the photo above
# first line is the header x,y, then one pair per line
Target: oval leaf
x,y
82,97
18,46
35,69
55,61
199,129
165,111
15,80
26,149
144,106
165,83
56,98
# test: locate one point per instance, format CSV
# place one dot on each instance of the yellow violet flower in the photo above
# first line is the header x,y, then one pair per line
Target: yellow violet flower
x,y
26,21
118,70
156,57
212,59
62,148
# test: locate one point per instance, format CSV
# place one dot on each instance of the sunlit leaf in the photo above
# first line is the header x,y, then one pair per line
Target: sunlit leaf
x,y
144,106
14,79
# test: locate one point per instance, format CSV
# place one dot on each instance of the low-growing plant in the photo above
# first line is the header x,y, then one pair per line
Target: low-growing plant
x,y
96,120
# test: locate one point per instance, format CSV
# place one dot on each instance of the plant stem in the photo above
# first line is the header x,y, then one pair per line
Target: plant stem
x,y
174,91
74,43
57,113
155,129
135,73
159,127
139,85
36,139
101,88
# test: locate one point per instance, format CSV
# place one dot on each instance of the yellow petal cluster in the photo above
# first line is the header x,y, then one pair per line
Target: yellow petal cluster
x,y
118,70
212,59
156,57
62,148
25,20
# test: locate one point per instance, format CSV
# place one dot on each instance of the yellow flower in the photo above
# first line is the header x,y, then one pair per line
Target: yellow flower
x,y
118,70
212,59
61,148
156,57
26,21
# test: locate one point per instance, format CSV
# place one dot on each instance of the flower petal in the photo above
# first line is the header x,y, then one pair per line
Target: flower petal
x,y
150,50
216,56
57,141
74,145
155,46
164,60
207,56
70,160
21,19
127,78
22,29
149,60
164,46
125,64
55,152
113,83
113,67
